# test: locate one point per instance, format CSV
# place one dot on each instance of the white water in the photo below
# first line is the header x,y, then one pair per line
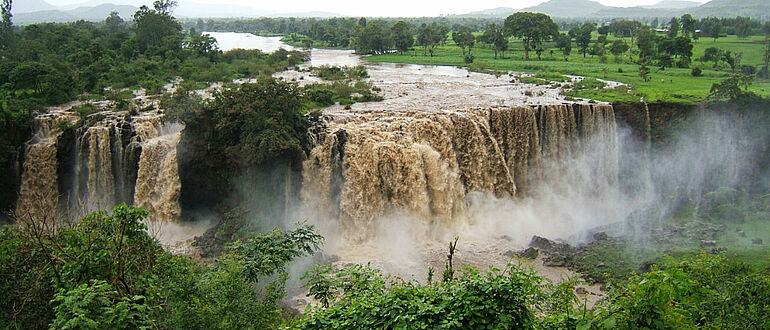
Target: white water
x,y
232,40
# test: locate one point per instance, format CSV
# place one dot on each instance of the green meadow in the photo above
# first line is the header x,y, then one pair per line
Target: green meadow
x,y
670,84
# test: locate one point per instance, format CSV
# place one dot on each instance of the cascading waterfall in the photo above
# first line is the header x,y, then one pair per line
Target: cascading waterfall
x,y
116,158
157,184
39,191
427,163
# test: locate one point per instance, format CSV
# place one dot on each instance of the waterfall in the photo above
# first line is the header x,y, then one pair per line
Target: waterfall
x,y
427,163
157,184
113,157
39,191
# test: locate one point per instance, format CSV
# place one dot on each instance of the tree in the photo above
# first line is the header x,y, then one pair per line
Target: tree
x,y
688,25
464,38
374,38
673,27
113,23
582,36
564,43
429,38
712,54
493,35
743,27
6,28
646,43
731,88
402,36
711,27
618,47
203,45
156,31
532,28
626,28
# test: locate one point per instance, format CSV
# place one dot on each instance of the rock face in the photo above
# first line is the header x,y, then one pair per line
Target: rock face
x,y
426,163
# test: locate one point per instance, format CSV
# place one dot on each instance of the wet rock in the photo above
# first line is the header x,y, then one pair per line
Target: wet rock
x,y
707,243
554,263
509,253
718,250
600,265
529,253
757,241
581,290
601,236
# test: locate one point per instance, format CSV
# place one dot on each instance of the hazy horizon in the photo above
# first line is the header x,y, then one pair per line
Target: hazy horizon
x,y
395,8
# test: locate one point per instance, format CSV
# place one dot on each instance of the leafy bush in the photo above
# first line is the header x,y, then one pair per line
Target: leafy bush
x,y
362,298
696,72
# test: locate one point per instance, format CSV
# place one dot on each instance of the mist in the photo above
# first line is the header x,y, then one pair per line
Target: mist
x,y
598,187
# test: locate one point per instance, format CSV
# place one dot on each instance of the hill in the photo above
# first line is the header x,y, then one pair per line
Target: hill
x,y
567,8
96,13
28,6
757,9
673,4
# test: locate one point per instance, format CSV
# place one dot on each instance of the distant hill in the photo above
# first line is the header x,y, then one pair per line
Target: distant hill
x,y
28,6
96,13
567,8
494,12
757,9
673,4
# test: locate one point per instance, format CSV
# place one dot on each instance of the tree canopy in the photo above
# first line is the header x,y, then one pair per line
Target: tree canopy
x,y
532,28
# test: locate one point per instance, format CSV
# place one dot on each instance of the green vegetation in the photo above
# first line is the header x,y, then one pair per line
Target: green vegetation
x,y
670,60
105,271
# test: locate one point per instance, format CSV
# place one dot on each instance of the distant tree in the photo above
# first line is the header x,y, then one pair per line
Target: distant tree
x,y
673,27
618,47
688,25
464,38
6,28
564,43
429,38
731,88
362,22
532,28
743,27
603,30
582,36
402,36
114,23
711,27
646,43
156,31
712,54
203,45
373,39
443,32
626,28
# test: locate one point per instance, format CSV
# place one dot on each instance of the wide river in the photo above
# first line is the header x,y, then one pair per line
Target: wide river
x,y
408,87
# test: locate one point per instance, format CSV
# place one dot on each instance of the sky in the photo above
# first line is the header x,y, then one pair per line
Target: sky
x,y
373,8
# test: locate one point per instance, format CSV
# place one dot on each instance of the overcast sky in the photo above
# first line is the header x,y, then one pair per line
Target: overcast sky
x,y
374,8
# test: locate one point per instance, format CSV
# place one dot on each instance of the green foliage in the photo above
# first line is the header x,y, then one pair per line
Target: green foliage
x,y
532,28
705,291
257,121
268,253
97,306
403,38
731,88
107,272
496,299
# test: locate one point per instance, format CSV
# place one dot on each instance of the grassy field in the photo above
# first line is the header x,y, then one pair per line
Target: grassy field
x,y
671,84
